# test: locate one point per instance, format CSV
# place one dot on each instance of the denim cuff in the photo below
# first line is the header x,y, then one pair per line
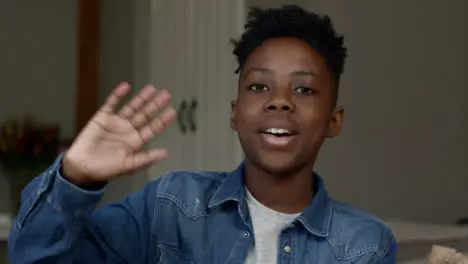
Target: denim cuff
x,y
67,197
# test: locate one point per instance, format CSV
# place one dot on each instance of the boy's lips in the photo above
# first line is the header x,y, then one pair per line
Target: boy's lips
x,y
279,142
278,128
278,133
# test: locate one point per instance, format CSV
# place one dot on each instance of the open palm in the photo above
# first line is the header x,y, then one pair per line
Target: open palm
x,y
111,143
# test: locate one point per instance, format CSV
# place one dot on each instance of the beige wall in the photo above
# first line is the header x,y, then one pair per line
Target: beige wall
x,y
403,151
37,69
37,51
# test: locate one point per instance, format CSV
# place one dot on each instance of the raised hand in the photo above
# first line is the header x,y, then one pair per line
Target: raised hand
x,y
111,143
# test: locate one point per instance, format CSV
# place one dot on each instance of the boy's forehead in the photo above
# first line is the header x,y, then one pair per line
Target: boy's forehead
x,y
282,51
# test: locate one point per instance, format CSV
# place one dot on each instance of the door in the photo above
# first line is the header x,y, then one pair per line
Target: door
x,y
166,71
191,56
216,23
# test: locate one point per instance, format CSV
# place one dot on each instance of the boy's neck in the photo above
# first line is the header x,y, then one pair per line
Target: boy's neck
x,y
286,193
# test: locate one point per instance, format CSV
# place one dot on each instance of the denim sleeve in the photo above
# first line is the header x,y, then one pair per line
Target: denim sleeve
x,y
58,223
390,253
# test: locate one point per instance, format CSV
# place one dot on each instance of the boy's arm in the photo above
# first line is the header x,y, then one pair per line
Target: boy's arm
x,y
57,223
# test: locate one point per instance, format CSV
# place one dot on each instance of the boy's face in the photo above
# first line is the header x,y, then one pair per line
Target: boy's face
x,y
285,107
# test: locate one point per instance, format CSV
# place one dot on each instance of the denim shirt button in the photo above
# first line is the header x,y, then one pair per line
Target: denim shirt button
x,y
287,249
245,235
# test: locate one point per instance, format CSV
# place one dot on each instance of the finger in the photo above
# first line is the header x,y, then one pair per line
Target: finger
x,y
138,101
145,158
114,98
152,107
158,124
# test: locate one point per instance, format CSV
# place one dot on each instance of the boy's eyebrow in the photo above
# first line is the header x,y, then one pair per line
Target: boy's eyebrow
x,y
268,71
256,69
304,73
262,70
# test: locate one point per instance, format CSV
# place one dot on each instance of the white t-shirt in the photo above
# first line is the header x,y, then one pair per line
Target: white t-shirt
x,y
267,225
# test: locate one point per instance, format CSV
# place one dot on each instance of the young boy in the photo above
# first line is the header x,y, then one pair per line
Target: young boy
x,y
272,209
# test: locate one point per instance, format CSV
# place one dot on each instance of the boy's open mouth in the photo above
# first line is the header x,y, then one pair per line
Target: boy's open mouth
x,y
278,137
278,132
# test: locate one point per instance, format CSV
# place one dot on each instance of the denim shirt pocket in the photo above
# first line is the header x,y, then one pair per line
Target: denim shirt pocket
x,y
171,255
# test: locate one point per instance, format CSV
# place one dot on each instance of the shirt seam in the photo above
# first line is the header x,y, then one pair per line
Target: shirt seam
x,y
386,249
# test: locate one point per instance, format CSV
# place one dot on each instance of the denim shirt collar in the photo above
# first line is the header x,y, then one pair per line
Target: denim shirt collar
x,y
316,218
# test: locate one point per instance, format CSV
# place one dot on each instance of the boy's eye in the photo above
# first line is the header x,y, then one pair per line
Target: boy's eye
x,y
258,87
305,90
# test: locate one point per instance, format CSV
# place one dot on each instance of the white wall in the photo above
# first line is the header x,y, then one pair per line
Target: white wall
x,y
404,145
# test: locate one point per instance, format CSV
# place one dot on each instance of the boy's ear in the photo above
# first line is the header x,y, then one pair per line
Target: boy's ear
x,y
336,122
233,115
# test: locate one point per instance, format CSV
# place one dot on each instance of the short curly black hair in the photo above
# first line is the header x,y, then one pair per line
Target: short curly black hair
x,y
292,21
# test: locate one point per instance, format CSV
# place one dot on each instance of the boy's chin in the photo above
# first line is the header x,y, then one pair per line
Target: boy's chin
x,y
280,167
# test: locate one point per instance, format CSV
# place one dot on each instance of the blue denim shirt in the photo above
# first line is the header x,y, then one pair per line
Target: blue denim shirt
x,y
183,217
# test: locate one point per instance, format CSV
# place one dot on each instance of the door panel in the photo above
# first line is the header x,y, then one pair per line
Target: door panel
x,y
164,74
216,86
191,56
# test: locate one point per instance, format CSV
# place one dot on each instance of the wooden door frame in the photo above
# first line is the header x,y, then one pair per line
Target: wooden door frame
x,y
87,61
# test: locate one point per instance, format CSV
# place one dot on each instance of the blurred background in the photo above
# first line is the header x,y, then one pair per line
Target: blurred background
x,y
403,150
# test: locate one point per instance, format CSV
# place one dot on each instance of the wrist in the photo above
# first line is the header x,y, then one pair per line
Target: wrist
x,y
70,173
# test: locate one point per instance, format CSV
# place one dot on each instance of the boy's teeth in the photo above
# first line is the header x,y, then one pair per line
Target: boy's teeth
x,y
277,131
